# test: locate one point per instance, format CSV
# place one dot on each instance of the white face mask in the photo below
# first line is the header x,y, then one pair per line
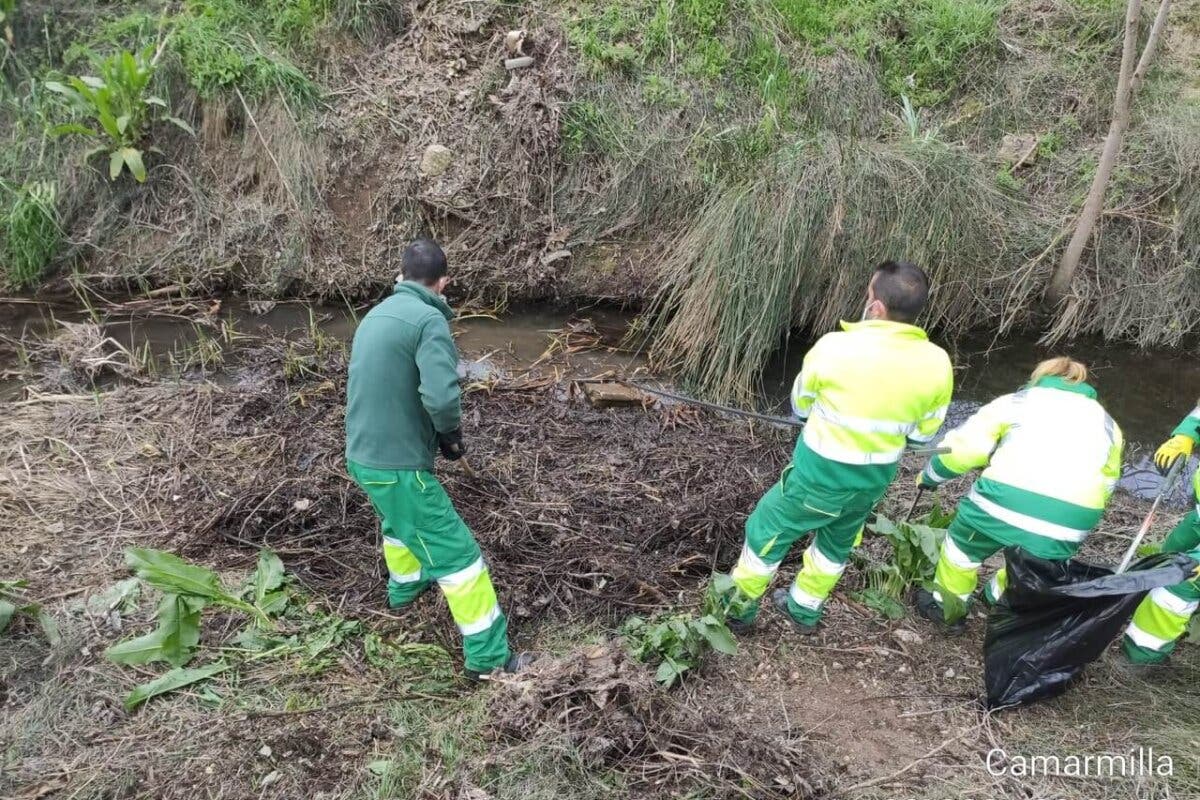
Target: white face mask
x,y
866,314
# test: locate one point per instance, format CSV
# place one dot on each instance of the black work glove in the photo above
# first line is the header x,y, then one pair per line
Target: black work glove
x,y
451,444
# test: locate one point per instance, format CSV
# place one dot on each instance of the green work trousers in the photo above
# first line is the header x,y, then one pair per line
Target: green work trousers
x,y
963,552
1162,618
425,540
787,512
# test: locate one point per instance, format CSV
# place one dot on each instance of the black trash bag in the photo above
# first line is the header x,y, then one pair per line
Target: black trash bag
x,y
1056,617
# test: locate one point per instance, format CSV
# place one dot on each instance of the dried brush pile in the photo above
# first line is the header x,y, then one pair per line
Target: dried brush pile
x,y
611,710
582,513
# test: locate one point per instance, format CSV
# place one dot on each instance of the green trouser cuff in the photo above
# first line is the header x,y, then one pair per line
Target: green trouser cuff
x,y
1144,655
487,650
803,615
401,594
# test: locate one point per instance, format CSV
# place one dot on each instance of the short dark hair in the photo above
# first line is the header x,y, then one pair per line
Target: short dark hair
x,y
423,261
903,288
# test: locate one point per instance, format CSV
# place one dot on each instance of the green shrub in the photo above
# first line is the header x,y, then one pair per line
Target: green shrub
x,y
30,233
222,45
922,46
678,643
119,104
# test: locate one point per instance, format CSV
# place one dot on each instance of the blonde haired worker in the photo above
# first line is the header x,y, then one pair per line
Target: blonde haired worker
x,y
1050,456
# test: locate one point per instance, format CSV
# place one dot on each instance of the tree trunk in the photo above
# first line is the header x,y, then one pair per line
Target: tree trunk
x,y
1127,85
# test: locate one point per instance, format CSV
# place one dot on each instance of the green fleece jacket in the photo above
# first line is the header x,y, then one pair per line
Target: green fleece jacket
x,y
403,386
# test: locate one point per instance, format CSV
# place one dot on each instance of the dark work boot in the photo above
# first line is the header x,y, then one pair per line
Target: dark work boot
x,y
779,599
516,663
929,608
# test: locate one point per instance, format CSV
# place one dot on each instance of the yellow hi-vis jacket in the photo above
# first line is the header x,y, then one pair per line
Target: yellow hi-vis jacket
x,y
1051,456
869,390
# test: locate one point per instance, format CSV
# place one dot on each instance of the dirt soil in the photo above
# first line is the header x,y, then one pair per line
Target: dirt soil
x,y
586,516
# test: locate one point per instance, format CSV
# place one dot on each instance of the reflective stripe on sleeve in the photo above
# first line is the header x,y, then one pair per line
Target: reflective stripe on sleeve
x,y
934,474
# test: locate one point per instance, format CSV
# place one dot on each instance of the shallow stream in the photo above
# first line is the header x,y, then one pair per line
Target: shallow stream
x,y
1146,391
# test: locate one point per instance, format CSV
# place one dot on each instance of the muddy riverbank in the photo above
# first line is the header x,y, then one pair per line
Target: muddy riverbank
x,y
1146,390
587,516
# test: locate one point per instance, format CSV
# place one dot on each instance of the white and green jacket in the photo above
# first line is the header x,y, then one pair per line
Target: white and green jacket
x,y
1051,456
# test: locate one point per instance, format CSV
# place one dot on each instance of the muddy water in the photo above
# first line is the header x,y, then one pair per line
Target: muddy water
x,y
1146,391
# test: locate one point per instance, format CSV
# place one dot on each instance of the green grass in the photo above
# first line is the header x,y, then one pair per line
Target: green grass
x,y
923,47
29,232
222,45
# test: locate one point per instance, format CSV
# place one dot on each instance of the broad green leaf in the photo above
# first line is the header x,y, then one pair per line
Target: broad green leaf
x,y
179,123
68,128
380,767
116,162
268,576
723,583
667,673
930,540
7,610
257,640
92,81
123,123
46,622
55,86
133,159
274,603
105,116
170,573
174,640
881,602
175,679
720,638
155,101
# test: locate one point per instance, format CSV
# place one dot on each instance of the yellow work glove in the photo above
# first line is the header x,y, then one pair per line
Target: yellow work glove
x,y
1178,446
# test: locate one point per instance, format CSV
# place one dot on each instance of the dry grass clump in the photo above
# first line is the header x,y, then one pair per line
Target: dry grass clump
x,y
794,246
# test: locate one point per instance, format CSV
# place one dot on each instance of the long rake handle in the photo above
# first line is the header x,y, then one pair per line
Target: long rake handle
x,y
791,421
1167,484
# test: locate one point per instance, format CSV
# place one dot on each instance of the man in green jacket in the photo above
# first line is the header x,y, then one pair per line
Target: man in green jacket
x,y
402,405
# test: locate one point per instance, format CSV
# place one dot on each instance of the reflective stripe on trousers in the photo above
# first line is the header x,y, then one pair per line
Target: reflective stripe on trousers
x,y
402,565
1160,619
471,598
816,579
